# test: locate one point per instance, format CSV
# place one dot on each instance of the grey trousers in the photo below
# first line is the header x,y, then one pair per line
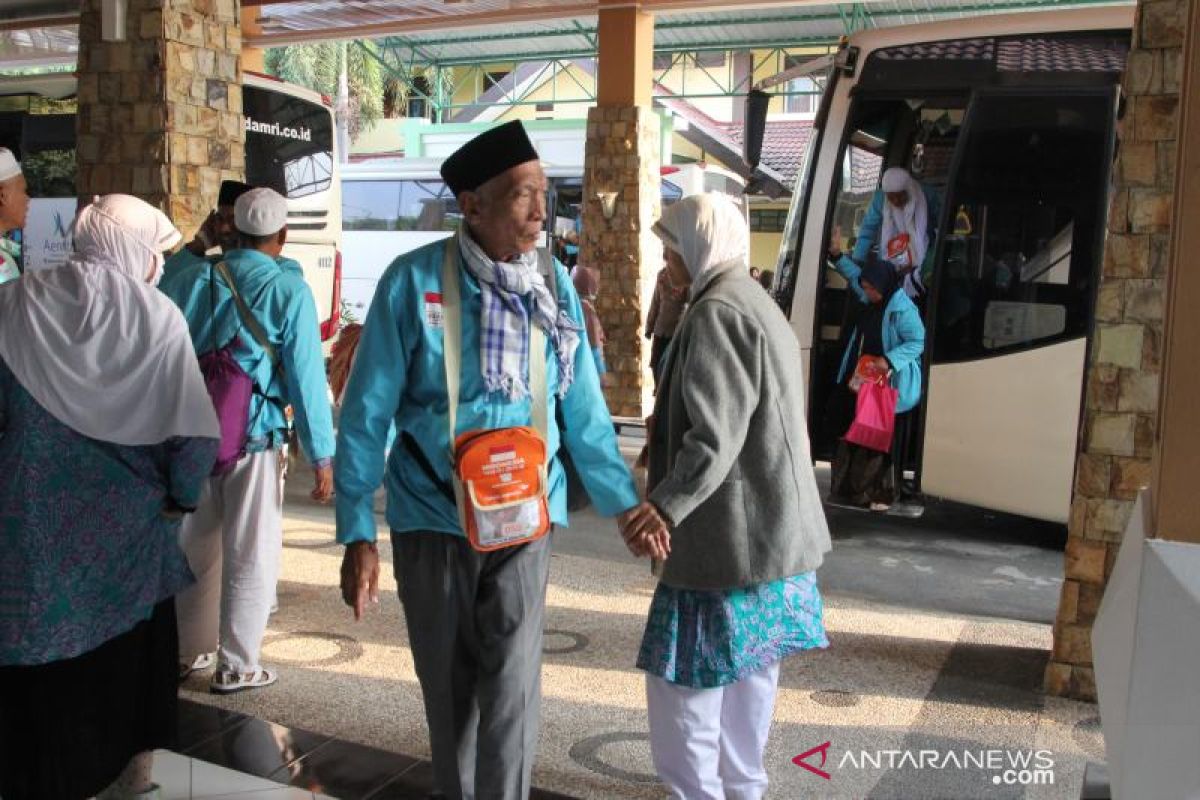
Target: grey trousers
x,y
475,627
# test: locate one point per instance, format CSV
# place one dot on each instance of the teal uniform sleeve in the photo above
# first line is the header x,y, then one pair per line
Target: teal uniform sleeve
x,y
304,371
372,398
181,260
850,271
589,435
910,332
868,231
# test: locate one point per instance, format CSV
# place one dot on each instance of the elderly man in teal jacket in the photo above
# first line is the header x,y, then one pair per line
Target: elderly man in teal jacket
x,y
234,539
474,618
218,231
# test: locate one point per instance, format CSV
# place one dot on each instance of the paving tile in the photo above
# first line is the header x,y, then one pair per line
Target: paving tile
x,y
212,780
280,793
416,782
345,770
258,747
198,723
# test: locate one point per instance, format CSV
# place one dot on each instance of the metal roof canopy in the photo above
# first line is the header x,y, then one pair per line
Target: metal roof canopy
x,y
458,33
465,32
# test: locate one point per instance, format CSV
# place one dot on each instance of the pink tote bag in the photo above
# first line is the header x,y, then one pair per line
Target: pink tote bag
x,y
874,417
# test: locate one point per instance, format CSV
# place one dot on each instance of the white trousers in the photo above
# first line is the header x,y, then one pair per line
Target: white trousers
x,y
233,542
708,744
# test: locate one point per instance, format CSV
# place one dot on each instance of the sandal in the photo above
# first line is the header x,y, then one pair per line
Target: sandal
x,y
226,681
202,661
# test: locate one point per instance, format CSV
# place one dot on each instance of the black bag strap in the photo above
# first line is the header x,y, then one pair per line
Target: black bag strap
x,y
247,316
414,450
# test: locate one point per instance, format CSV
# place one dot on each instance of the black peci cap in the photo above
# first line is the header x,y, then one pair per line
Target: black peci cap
x,y
487,155
231,191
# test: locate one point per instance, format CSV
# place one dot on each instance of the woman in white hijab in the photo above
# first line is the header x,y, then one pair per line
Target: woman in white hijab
x,y
904,229
106,434
730,476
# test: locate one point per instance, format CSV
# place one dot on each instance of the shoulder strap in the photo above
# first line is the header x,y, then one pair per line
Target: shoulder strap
x,y
546,267
248,319
452,318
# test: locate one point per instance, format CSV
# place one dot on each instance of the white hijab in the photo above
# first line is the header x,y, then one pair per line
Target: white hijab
x,y
710,233
912,218
96,345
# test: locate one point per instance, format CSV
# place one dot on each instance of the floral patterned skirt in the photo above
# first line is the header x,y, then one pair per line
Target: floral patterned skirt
x,y
705,639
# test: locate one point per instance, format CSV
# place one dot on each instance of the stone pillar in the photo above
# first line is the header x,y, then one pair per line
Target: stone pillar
x,y
160,113
253,58
623,157
1121,414
1177,455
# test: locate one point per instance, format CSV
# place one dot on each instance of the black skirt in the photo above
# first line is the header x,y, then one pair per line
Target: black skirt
x,y
68,728
861,476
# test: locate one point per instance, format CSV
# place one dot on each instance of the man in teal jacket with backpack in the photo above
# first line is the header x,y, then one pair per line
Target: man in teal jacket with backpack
x,y
253,322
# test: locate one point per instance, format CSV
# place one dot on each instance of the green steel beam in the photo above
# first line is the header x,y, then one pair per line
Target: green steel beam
x,y
576,55
660,24
578,100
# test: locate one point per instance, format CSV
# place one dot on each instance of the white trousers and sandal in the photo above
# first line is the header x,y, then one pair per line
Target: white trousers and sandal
x,y
233,543
712,662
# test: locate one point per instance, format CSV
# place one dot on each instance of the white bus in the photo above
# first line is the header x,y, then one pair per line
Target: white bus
x,y
393,206
1011,121
290,146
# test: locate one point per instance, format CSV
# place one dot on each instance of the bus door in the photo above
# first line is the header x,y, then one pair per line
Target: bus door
x,y
1010,305
918,133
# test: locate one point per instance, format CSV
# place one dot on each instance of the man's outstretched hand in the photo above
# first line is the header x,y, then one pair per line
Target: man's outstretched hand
x,y
360,576
645,531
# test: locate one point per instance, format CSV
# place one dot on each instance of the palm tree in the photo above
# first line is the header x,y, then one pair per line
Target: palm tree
x,y
320,67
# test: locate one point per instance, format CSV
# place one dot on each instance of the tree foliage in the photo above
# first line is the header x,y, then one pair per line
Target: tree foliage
x,y
318,67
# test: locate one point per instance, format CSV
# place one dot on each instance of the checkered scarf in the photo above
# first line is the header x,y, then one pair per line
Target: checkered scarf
x,y
504,327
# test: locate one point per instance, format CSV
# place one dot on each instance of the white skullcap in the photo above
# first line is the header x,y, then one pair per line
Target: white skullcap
x,y
9,168
896,179
260,212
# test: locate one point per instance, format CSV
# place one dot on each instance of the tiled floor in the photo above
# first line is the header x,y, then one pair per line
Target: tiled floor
x,y
182,778
227,755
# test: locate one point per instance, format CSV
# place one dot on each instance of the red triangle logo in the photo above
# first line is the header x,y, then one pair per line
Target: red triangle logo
x,y
800,760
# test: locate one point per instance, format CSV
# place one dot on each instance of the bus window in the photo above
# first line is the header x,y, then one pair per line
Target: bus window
x,y
1017,264
289,143
398,205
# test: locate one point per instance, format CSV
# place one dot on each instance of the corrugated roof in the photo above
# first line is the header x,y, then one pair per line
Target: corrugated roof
x,y
508,30
44,46
574,36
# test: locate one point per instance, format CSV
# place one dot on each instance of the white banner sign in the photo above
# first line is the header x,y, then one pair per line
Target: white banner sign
x,y
47,241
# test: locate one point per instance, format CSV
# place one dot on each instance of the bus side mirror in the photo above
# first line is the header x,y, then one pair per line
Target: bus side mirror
x,y
757,103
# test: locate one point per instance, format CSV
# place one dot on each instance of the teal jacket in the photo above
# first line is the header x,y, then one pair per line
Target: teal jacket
x,y
399,376
283,305
186,258
903,340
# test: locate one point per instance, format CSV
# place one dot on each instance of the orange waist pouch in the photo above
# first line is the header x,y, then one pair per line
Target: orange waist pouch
x,y
502,487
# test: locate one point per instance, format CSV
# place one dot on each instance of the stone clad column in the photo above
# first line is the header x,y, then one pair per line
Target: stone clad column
x,y
160,113
1122,395
623,156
